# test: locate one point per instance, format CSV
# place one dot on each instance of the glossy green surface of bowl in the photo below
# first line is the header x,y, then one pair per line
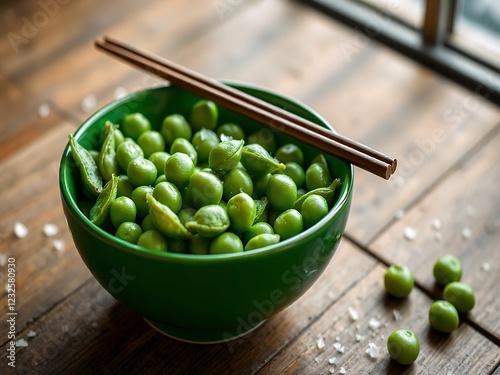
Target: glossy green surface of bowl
x,y
203,298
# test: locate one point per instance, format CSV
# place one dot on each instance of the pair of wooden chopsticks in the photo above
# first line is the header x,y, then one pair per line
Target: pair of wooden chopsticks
x,y
256,109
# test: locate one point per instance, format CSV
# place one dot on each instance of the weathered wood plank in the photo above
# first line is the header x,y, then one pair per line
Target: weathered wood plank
x,y
468,210
439,353
114,337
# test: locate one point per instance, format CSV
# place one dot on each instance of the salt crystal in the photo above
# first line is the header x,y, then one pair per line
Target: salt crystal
x,y
20,230
88,103
359,337
50,230
373,350
31,334
342,371
374,324
225,138
58,245
316,360
396,314
3,260
486,267
332,360
331,370
353,314
410,233
331,295
438,236
382,337
399,214
119,92
339,347
321,343
65,328
337,338
436,224
358,327
471,211
44,110
466,233
21,343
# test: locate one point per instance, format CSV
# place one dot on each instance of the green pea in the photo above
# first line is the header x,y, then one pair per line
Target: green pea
x,y
134,125
203,142
153,240
129,232
199,245
177,246
281,192
126,152
165,220
209,221
204,114
139,198
403,346
460,295
230,130
288,224
256,229
241,211
161,178
147,223
205,189
89,171
236,181
168,194
141,171
99,214
447,269
119,137
317,176
159,158
226,155
125,188
443,316
265,138
290,153
296,173
327,193
260,184
262,240
258,162
151,141
122,210
184,146
175,126
178,169
108,165
314,208
398,281
226,243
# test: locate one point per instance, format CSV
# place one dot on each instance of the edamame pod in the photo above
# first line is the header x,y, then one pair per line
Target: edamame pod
x,y
326,193
165,220
258,162
108,164
209,221
89,171
99,214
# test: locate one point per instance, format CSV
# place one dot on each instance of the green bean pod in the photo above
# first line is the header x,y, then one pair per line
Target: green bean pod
x,y
99,214
326,193
89,171
108,164
165,220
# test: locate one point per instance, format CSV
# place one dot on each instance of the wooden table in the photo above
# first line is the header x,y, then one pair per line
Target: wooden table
x,y
446,139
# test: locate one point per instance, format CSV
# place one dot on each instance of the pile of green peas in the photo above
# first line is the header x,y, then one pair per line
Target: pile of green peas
x,y
199,187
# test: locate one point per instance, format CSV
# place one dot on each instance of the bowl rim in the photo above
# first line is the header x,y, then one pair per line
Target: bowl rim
x,y
121,245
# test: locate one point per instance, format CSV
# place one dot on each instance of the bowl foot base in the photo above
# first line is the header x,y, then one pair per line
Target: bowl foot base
x,y
201,336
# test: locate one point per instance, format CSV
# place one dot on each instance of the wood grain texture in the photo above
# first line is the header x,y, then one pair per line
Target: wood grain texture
x,y
465,201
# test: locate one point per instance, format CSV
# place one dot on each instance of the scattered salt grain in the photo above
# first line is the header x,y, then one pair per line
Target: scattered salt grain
x,y
374,324
466,233
399,214
486,267
339,347
409,233
3,260
119,92
31,334
353,314
382,337
21,343
332,360
342,371
396,314
50,230
436,224
316,360
331,295
332,370
359,337
358,327
373,350
65,328
20,230
438,236
337,338
321,343
470,211
88,103
44,110
58,245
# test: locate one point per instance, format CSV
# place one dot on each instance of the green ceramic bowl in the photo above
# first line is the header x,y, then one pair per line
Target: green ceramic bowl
x,y
203,298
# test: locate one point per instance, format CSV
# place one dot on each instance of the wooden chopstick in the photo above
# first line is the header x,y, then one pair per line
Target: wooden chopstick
x,y
241,104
